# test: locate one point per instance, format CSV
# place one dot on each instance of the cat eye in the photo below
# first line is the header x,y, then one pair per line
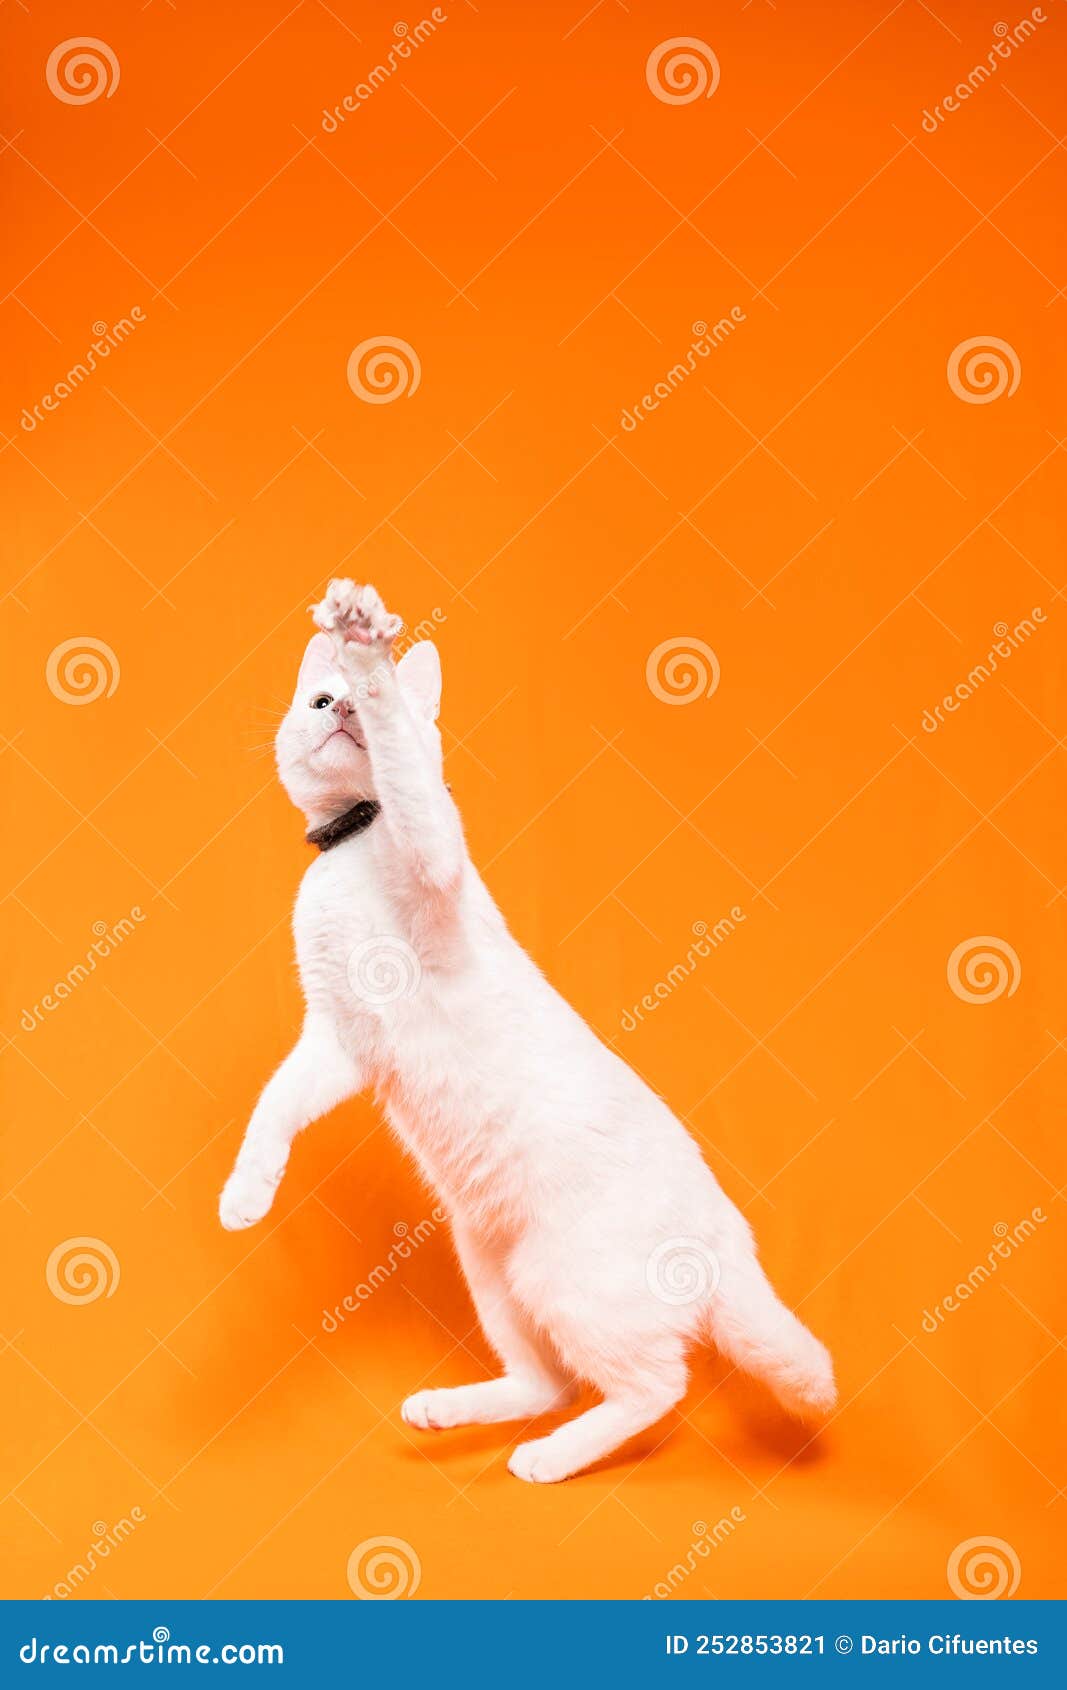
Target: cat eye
x,y
322,701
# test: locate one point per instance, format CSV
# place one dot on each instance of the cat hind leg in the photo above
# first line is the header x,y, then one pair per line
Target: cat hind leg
x,y
533,1383
634,1398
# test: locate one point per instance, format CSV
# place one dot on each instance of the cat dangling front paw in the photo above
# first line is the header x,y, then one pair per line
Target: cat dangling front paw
x,y
246,1197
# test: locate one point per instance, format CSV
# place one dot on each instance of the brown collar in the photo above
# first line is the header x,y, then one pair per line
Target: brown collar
x,y
355,820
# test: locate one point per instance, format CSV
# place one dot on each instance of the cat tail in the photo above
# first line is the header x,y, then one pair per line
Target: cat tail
x,y
751,1326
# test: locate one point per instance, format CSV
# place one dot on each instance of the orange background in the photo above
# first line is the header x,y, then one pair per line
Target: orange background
x,y
815,503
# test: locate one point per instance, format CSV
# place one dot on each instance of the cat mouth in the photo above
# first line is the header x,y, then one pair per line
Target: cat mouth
x,y
346,734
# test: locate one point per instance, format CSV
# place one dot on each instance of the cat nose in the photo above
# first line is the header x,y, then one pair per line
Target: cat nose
x,y
342,707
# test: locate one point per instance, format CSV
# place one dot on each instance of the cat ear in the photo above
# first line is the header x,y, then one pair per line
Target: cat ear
x,y
419,673
317,662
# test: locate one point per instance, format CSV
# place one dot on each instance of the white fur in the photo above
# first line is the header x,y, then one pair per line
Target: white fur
x,y
578,1202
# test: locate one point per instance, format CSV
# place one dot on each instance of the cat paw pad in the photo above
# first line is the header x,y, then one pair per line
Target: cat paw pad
x,y
356,615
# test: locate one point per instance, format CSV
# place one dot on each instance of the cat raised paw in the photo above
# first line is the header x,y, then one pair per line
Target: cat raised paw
x,y
356,616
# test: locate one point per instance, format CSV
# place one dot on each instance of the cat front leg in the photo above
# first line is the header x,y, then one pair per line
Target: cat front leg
x,y
315,1076
397,706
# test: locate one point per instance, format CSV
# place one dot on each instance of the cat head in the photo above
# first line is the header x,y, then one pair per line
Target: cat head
x,y
320,746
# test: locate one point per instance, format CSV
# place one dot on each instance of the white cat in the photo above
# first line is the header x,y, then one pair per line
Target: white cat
x,y
596,1242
